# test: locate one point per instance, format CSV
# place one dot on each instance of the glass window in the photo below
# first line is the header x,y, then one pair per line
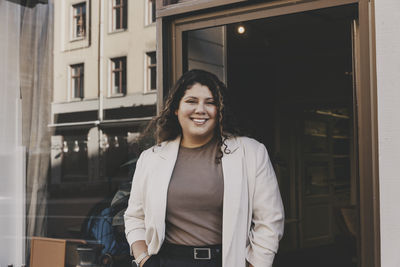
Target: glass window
x,y
151,11
77,81
119,14
81,143
118,76
151,67
79,20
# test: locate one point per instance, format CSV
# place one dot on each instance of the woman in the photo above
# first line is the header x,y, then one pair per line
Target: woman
x,y
203,196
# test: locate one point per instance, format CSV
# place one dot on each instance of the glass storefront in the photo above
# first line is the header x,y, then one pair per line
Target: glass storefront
x,y
291,80
87,71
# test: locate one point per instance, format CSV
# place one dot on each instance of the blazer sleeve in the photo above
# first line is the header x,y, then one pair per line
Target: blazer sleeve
x,y
134,214
267,213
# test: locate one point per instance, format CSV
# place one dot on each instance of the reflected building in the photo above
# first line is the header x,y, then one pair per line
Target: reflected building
x,y
104,94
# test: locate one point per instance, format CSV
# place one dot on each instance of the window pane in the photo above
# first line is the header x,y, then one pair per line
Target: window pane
x,y
81,87
77,80
120,14
123,89
152,56
153,78
151,71
153,10
78,30
118,76
83,23
116,82
125,15
118,18
76,87
79,20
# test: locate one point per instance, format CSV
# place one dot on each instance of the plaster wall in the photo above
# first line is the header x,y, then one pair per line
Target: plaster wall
x,y
387,22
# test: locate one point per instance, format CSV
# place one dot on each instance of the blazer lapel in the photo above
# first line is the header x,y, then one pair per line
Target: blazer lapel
x,y
233,185
163,169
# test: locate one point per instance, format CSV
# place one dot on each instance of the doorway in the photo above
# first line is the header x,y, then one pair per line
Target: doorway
x,y
292,84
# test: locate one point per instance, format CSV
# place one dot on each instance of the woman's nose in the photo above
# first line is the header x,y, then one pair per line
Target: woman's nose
x,y
200,108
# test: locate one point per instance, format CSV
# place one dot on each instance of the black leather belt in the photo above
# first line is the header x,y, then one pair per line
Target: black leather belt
x,y
191,252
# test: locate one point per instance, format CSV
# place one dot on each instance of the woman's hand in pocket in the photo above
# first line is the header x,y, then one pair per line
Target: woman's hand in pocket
x,y
144,260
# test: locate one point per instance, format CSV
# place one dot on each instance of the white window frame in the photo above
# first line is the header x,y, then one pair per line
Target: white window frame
x,y
147,72
73,34
71,89
112,24
149,12
111,77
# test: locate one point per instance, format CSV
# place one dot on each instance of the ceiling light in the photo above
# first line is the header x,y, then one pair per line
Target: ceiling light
x,y
241,29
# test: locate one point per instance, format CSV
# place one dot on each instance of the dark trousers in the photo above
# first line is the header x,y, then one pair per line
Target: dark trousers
x,y
167,257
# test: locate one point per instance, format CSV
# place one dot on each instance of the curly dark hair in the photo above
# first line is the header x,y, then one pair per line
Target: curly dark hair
x,y
166,124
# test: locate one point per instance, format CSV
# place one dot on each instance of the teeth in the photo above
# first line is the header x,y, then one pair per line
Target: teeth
x,y
199,120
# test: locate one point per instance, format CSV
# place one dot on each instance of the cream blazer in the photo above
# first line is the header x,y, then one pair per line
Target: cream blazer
x,y
253,216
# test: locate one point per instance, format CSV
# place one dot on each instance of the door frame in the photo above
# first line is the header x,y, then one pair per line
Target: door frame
x,y
172,23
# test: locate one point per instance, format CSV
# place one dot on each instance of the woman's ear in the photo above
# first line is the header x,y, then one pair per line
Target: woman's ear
x,y
176,112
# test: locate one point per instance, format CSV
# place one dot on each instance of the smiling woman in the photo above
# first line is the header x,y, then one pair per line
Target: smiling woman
x,y
202,91
203,196
197,114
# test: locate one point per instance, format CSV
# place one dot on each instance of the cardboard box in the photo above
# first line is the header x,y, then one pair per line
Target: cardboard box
x,y
51,252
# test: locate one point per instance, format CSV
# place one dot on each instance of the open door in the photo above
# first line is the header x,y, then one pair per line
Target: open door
x,y
291,72
290,79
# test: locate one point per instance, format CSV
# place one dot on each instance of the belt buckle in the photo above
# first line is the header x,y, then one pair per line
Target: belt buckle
x,y
196,250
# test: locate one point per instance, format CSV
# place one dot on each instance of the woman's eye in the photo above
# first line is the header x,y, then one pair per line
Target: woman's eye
x,y
211,103
190,101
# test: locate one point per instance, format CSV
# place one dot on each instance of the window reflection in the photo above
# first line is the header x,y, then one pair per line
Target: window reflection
x,y
79,20
98,111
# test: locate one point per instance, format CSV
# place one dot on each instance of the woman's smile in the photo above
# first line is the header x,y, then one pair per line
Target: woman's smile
x,y
199,121
197,114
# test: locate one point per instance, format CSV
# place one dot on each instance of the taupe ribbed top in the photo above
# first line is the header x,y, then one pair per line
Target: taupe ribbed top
x,y
195,198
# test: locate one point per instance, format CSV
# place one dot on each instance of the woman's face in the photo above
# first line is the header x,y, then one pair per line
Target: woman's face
x,y
197,115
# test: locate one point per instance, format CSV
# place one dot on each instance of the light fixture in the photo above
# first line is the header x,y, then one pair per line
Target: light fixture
x,y
116,143
65,147
241,29
104,143
76,146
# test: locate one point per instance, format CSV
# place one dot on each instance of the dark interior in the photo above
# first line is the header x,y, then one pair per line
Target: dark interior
x,y
291,83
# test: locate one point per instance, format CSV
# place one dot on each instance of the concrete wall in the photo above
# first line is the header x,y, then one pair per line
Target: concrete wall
x,y
388,79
